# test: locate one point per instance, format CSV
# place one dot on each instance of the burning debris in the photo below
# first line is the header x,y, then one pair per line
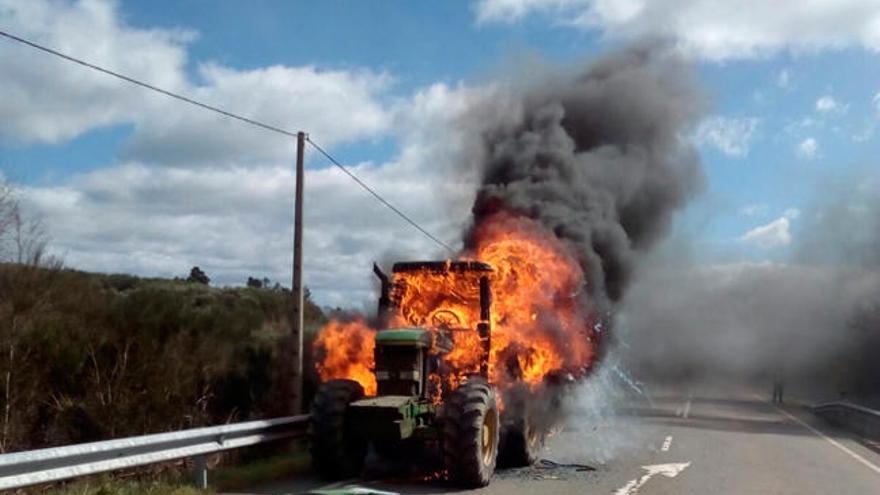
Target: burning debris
x,y
579,175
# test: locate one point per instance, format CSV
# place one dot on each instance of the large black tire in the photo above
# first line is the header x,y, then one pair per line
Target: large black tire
x,y
337,451
470,434
522,434
521,443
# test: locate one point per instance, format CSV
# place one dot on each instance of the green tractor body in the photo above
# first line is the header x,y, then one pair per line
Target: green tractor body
x,y
399,411
410,408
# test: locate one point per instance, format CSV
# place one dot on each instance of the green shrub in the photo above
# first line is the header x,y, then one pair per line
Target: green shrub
x,y
101,356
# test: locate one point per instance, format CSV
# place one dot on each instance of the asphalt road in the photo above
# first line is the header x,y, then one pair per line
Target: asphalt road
x,y
688,441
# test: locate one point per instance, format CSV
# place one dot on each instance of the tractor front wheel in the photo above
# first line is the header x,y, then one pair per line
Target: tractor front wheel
x,y
470,434
337,451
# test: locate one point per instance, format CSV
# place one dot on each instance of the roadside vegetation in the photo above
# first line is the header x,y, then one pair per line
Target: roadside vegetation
x,y
86,357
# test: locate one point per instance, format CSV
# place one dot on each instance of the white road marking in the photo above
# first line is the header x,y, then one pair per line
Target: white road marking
x,y
870,465
666,444
687,408
668,470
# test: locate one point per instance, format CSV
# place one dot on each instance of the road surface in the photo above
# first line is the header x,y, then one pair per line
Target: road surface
x,y
677,442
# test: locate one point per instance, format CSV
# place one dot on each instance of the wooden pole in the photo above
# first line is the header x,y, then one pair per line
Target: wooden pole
x,y
296,326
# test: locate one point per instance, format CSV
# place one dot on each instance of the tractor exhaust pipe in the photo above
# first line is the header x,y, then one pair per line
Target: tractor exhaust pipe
x,y
384,296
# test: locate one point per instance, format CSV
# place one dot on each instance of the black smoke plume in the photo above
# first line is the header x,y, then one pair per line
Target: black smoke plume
x,y
597,157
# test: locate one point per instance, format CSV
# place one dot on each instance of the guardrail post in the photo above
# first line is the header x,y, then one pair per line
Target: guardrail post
x,y
200,466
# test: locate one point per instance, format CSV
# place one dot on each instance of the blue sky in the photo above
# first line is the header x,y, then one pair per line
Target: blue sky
x,y
419,42
792,104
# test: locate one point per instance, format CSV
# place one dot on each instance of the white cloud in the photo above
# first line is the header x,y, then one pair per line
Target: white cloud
x,y
48,100
222,197
712,29
234,220
825,104
864,134
730,135
235,223
754,210
828,105
774,234
334,106
866,130
798,128
783,78
807,148
513,10
806,123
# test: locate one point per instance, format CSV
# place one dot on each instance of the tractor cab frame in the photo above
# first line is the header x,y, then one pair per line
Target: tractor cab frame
x,y
388,303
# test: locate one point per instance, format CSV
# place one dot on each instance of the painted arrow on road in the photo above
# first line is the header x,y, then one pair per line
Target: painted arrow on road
x,y
668,470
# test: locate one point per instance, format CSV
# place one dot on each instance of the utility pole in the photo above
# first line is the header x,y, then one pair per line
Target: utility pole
x,y
296,322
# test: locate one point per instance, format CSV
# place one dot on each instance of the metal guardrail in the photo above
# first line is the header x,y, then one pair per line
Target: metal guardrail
x,y
863,420
32,467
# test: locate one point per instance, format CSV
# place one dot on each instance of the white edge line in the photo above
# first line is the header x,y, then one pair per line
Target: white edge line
x,y
870,465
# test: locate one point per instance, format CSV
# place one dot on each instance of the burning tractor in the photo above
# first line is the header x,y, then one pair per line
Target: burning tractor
x,y
433,382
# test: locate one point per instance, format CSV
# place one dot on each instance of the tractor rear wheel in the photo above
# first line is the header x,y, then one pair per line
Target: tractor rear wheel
x,y
470,434
521,443
337,450
522,436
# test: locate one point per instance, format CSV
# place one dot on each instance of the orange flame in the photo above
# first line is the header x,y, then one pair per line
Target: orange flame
x,y
539,323
443,300
345,350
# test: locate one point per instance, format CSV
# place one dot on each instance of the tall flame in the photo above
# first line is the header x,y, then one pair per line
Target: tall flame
x,y
539,324
538,321
345,350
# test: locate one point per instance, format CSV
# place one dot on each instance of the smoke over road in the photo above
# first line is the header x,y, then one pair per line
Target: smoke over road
x,y
816,317
596,157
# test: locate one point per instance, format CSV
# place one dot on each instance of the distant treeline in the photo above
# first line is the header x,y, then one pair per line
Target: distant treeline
x,y
86,357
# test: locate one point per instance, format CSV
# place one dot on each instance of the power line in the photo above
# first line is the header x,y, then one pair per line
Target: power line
x,y
148,86
380,198
235,116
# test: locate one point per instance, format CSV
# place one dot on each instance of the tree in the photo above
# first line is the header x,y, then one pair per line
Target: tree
x,y
26,275
198,276
254,283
